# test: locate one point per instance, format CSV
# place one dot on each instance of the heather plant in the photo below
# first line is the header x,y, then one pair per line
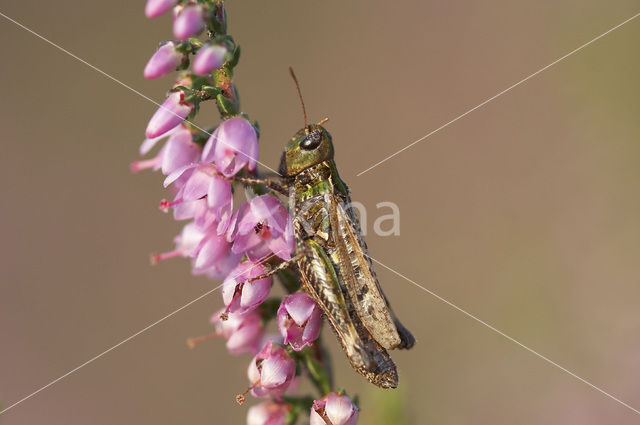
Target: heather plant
x,y
202,168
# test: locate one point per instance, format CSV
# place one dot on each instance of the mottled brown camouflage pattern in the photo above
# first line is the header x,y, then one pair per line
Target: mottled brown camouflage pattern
x,y
333,259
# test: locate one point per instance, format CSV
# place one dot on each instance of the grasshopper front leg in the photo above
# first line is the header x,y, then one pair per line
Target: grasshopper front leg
x,y
270,184
285,264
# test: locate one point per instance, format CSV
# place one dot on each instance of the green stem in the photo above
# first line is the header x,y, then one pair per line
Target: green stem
x,y
319,374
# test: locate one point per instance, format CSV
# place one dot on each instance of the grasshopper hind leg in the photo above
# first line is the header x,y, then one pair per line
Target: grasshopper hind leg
x,y
366,356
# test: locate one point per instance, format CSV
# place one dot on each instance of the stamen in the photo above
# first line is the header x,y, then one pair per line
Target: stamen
x,y
225,314
156,258
165,205
143,165
240,398
191,342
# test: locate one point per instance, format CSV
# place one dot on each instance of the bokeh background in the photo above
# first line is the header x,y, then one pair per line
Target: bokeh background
x,y
525,213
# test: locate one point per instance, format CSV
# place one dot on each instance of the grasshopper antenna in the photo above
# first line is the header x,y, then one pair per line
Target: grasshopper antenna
x,y
304,110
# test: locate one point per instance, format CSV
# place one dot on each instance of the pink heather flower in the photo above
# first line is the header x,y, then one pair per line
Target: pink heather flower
x,y
155,8
268,413
241,296
263,225
171,113
232,146
187,244
209,251
204,216
176,153
189,22
165,60
271,371
209,58
203,194
334,409
205,181
148,144
243,332
214,257
299,320
180,150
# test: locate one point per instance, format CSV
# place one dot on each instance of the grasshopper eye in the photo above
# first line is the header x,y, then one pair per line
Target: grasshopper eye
x,y
311,141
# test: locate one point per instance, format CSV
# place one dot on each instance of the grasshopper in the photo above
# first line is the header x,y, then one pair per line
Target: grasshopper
x,y
332,256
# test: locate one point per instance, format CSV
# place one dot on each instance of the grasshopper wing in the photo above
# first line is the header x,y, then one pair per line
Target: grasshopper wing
x,y
322,283
362,283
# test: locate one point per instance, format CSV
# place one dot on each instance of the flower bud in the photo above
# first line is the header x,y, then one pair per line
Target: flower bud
x,y
165,60
171,113
189,22
209,58
299,320
271,371
155,8
334,409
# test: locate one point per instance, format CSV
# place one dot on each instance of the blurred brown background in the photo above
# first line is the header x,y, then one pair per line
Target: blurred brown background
x,y
525,213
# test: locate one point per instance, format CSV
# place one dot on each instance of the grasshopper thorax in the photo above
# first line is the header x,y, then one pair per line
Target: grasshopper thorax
x,y
310,146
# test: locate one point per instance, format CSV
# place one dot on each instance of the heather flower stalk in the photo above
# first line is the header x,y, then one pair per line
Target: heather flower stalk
x,y
235,244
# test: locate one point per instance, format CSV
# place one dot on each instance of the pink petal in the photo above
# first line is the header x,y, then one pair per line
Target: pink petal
x,y
280,247
265,206
267,413
190,238
209,147
266,350
165,60
299,306
148,144
170,114
189,23
213,249
155,8
339,409
315,418
294,337
185,210
252,371
198,184
235,142
245,338
246,241
225,223
222,267
176,174
258,252
219,192
254,293
313,327
179,151
275,371
209,58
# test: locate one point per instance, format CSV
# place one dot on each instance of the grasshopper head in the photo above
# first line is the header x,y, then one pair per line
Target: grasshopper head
x,y
310,146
